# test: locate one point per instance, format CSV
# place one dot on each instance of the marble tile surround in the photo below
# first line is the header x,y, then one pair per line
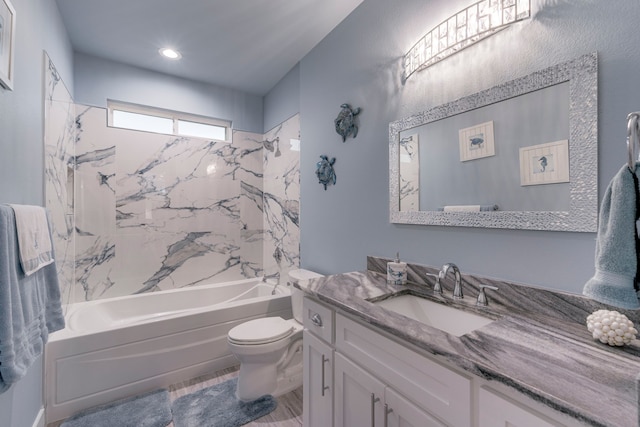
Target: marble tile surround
x,y
137,212
59,158
281,198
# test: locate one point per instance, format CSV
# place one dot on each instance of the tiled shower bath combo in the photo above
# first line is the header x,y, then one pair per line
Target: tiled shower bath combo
x,y
137,212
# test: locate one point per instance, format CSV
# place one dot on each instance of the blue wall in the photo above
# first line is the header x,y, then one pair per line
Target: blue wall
x,y
21,120
360,63
38,27
283,100
99,79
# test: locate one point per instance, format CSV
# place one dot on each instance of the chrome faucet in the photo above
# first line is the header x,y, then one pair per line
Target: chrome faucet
x,y
277,277
457,290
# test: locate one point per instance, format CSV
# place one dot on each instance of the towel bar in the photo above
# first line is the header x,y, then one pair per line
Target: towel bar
x,y
633,139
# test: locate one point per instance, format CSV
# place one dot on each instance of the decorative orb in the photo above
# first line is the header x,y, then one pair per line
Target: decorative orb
x,y
611,327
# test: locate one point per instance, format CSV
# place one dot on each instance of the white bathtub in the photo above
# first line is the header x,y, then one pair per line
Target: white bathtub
x,y
123,346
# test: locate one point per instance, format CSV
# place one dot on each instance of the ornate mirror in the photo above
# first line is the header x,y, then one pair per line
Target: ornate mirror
x,y
520,155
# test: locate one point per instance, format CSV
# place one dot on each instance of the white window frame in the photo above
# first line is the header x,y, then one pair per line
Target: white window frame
x,y
169,114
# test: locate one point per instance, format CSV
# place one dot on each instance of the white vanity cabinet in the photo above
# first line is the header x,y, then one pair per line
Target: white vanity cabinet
x,y
318,382
351,379
415,387
358,396
363,400
318,365
356,375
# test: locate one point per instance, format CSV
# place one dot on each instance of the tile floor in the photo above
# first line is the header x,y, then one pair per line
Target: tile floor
x,y
287,414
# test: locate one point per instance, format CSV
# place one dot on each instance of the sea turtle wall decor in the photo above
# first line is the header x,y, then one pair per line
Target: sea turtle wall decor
x,y
345,122
325,172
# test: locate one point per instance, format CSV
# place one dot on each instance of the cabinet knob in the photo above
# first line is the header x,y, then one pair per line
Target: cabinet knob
x,y
316,320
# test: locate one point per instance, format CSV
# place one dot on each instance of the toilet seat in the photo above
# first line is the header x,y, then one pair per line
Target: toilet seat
x,y
261,331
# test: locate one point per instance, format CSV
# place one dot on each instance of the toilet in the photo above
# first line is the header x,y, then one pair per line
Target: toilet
x,y
270,349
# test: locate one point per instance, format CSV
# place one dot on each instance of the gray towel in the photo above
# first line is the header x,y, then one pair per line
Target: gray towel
x,y
615,259
30,306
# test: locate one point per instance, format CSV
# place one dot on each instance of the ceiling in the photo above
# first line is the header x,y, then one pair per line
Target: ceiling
x,y
248,45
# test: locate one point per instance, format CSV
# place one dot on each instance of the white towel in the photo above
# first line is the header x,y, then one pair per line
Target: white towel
x,y
34,242
470,208
462,208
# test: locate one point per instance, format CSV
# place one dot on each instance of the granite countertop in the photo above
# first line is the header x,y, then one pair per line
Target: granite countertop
x,y
554,361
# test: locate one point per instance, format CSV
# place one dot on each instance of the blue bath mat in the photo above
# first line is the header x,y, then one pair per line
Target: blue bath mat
x,y
147,410
217,406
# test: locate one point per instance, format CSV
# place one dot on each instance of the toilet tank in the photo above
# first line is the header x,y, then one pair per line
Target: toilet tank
x,y
301,277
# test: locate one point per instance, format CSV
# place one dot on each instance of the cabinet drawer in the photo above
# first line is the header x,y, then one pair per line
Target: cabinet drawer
x,y
318,319
495,410
433,387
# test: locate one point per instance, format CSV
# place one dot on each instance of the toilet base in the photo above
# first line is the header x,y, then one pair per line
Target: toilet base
x,y
289,381
256,380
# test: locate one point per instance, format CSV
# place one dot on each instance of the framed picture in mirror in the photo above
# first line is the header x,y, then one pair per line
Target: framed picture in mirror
x,y
476,142
545,163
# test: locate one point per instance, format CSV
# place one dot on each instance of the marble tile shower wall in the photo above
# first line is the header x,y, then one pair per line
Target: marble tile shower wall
x,y
156,212
59,141
281,200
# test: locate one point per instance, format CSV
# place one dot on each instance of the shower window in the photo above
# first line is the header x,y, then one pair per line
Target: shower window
x,y
202,130
143,122
150,119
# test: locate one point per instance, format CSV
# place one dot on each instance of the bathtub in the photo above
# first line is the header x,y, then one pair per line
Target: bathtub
x,y
123,346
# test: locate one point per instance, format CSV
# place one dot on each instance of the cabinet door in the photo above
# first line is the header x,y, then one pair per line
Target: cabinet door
x,y
432,386
358,396
494,411
318,382
402,413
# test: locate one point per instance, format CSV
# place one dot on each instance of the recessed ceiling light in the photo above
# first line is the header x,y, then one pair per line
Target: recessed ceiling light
x,y
170,53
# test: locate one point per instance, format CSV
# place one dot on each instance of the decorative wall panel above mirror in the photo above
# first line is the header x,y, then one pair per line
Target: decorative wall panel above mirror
x,y
520,155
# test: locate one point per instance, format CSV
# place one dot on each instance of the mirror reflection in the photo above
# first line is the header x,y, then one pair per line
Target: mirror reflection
x,y
507,157
474,158
410,171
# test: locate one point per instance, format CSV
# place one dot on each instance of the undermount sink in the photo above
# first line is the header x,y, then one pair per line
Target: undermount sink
x,y
448,319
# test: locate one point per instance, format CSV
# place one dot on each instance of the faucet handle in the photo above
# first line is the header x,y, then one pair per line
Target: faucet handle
x,y
437,288
482,297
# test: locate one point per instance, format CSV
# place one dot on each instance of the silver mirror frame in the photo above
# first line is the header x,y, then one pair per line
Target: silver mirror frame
x,y
582,76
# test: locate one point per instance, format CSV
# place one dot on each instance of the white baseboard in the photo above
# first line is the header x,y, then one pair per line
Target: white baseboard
x,y
39,421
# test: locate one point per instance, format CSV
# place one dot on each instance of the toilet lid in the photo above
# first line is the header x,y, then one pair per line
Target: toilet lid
x,y
260,331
